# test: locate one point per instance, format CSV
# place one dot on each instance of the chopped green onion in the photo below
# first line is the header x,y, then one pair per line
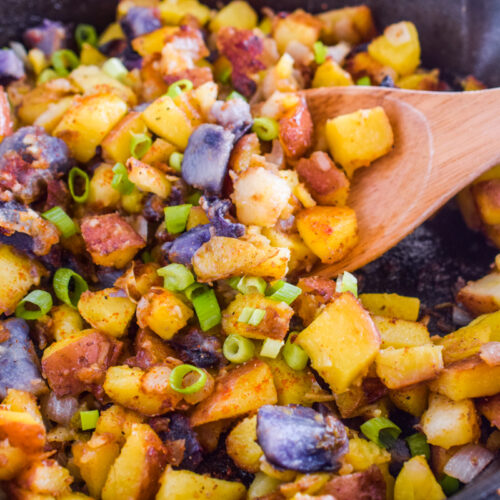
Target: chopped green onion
x,y
39,298
76,172
115,69
60,219
64,61
245,314
418,445
176,218
139,145
146,257
251,316
46,75
282,291
88,419
225,74
271,348
381,431
364,80
207,309
176,277
449,485
347,282
248,284
235,95
238,349
175,161
320,52
266,129
120,180
295,357
194,198
85,33
177,376
194,290
62,281
177,88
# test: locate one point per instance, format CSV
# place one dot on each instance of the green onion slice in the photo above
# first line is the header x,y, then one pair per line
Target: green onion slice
x,y
176,218
381,431
320,52
347,282
364,80
449,485
225,74
85,33
146,257
251,316
69,286
61,220
194,290
177,376
194,198
176,277
114,68
418,445
139,145
73,174
281,291
39,298
175,161
46,75
266,129
88,419
120,180
177,88
248,284
235,95
295,357
207,309
63,61
238,349
271,348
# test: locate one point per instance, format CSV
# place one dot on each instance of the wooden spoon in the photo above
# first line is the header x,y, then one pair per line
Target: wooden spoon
x,y
442,142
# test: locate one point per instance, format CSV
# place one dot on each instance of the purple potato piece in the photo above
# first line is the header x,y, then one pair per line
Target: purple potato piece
x,y
11,67
298,438
234,115
49,37
182,249
18,361
204,165
216,209
198,349
139,21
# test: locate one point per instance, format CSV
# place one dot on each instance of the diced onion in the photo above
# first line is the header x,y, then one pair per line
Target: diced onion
x,y
468,462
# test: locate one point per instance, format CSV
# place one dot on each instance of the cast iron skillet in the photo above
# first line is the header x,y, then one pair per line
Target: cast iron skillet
x,y
458,36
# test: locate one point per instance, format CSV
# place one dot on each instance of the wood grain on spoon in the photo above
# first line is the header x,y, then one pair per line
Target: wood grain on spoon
x,y
442,142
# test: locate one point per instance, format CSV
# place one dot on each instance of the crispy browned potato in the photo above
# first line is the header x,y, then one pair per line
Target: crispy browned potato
x,y
296,130
22,430
490,408
242,152
369,483
481,296
316,291
45,477
487,197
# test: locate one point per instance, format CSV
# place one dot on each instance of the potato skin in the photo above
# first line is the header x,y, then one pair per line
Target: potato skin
x,y
481,296
296,130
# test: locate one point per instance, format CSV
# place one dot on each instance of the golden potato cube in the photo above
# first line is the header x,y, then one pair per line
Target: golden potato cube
x,y
398,47
487,197
330,232
343,353
108,310
357,139
110,240
448,423
45,477
22,430
298,26
165,119
242,447
362,64
331,74
148,393
101,193
66,321
163,311
468,378
148,179
274,325
19,274
159,154
391,305
153,42
23,401
174,11
13,461
468,208
422,80
53,115
417,482
481,296
244,389
117,421
399,368
412,400
134,474
88,121
491,320
90,55
350,24
490,408
237,14
401,333
187,485
363,454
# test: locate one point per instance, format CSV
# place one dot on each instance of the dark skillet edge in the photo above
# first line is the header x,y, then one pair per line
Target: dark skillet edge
x,y
457,36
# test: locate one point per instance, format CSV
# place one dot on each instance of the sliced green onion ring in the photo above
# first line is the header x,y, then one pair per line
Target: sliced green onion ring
x,y
139,145
85,33
381,431
266,129
46,75
364,80
63,61
175,161
88,419
60,219
207,309
177,376
73,174
177,88
271,348
347,282
194,290
248,284
120,180
194,198
418,445
63,278
449,485
176,277
176,218
281,291
39,298
114,68
295,357
235,95
238,349
320,52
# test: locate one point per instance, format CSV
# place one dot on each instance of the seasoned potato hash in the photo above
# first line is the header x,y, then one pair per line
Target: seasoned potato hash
x,y
165,196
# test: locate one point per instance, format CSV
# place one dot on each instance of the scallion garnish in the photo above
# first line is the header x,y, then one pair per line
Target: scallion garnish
x,y
120,180
176,277
320,52
73,174
449,485
114,68
381,431
88,419
266,129
347,282
271,348
206,307
177,88
295,357
175,161
46,75
235,95
252,316
60,219
69,286
238,349
139,145
418,445
177,376
39,298
176,218
85,33
248,284
63,61
364,80
282,291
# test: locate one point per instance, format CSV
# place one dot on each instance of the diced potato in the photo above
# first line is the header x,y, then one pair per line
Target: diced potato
x,y
153,42
399,368
116,145
242,447
148,179
94,460
108,310
316,292
362,64
422,80
468,378
298,26
350,24
19,274
331,74
135,473
468,208
492,321
398,47
196,217
112,32
363,454
117,421
274,324
244,389
101,193
165,119
342,354
487,197
163,311
448,423
138,279
66,321
412,400
13,461
90,55
296,128
110,240
401,333
186,485
88,121
22,430
490,408
159,154
417,482
45,477
53,115
148,392
330,232
357,139
391,305
173,11
481,296
262,485
237,14
23,401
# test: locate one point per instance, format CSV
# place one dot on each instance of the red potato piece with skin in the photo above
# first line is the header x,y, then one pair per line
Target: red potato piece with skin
x,y
296,130
366,485
316,291
150,350
242,152
6,125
